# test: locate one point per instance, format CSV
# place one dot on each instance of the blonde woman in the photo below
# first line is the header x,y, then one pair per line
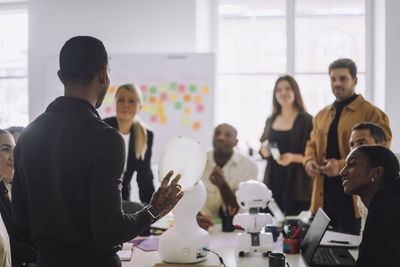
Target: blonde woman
x,y
138,142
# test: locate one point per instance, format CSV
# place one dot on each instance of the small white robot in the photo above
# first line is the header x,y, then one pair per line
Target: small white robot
x,y
253,196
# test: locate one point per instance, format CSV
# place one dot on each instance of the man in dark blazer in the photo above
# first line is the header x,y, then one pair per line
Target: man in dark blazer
x,y
68,163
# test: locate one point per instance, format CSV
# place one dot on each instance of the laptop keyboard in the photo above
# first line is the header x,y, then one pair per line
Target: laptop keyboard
x,y
325,256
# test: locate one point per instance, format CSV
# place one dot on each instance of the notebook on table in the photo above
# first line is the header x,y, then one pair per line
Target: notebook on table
x,y
326,256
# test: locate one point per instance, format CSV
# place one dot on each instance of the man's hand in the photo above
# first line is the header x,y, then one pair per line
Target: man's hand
x,y
331,168
204,221
166,197
285,159
312,168
217,176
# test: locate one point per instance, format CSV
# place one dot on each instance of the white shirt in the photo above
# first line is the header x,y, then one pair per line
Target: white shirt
x,y
126,140
238,169
5,250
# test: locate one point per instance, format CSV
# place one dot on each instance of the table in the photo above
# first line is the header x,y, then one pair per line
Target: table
x,y
224,245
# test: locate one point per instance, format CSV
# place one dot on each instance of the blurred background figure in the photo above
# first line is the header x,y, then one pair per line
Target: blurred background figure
x,y
15,131
138,143
22,253
287,129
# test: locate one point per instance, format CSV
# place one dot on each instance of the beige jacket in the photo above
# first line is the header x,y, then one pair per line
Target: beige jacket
x,y
357,111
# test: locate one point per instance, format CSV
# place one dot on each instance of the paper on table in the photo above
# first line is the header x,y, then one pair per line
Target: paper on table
x,y
147,244
352,240
164,223
126,253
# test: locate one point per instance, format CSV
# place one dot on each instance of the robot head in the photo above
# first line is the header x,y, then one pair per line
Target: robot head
x,y
253,194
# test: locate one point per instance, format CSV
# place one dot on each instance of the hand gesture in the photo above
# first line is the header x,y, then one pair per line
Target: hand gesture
x,y
166,197
204,221
217,176
312,168
285,159
331,168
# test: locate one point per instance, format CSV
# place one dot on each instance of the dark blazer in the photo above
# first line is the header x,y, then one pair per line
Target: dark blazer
x,y
380,241
66,192
22,252
299,186
141,166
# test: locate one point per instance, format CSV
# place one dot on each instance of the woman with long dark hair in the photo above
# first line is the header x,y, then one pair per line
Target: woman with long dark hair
x,y
372,172
287,129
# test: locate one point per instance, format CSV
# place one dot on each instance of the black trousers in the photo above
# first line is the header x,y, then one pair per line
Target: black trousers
x,y
339,207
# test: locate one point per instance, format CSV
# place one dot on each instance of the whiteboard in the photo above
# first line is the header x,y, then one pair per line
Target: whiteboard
x,y
177,93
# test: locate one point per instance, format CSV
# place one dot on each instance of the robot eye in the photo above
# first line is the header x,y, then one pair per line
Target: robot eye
x,y
242,203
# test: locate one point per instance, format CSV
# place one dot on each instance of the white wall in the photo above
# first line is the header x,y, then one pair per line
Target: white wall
x,y
123,26
392,69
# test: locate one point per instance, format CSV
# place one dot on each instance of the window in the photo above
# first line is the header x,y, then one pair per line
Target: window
x,y
258,40
13,66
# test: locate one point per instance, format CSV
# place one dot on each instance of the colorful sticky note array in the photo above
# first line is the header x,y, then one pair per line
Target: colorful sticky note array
x,y
108,99
152,110
160,111
187,97
144,107
109,109
186,111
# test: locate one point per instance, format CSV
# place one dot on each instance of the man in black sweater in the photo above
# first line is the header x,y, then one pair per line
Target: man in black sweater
x,y
68,165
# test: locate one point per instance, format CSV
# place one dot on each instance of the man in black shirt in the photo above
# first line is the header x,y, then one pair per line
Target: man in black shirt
x,y
68,164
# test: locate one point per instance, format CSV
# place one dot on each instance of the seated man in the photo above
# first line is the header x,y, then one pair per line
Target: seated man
x,y
366,133
225,169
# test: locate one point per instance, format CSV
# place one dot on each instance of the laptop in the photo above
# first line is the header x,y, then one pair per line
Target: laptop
x,y
326,256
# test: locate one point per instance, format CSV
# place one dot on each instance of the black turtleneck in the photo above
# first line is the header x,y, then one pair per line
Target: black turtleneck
x,y
332,149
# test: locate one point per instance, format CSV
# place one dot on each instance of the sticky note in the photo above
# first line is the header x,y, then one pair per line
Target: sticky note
x,y
152,99
152,109
172,86
186,111
205,89
185,121
108,99
197,99
163,119
160,104
160,111
200,108
153,90
196,125
143,88
187,98
109,109
181,88
164,96
163,88
111,90
153,118
192,88
173,97
178,105
144,107
144,98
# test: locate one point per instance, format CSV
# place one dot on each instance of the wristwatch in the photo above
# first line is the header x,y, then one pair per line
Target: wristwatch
x,y
153,212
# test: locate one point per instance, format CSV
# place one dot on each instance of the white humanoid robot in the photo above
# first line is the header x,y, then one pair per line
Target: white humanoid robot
x,y
253,196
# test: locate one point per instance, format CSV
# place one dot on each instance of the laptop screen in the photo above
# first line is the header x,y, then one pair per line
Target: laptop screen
x,y
314,235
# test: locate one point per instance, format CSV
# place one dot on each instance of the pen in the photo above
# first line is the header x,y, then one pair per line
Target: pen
x,y
339,242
